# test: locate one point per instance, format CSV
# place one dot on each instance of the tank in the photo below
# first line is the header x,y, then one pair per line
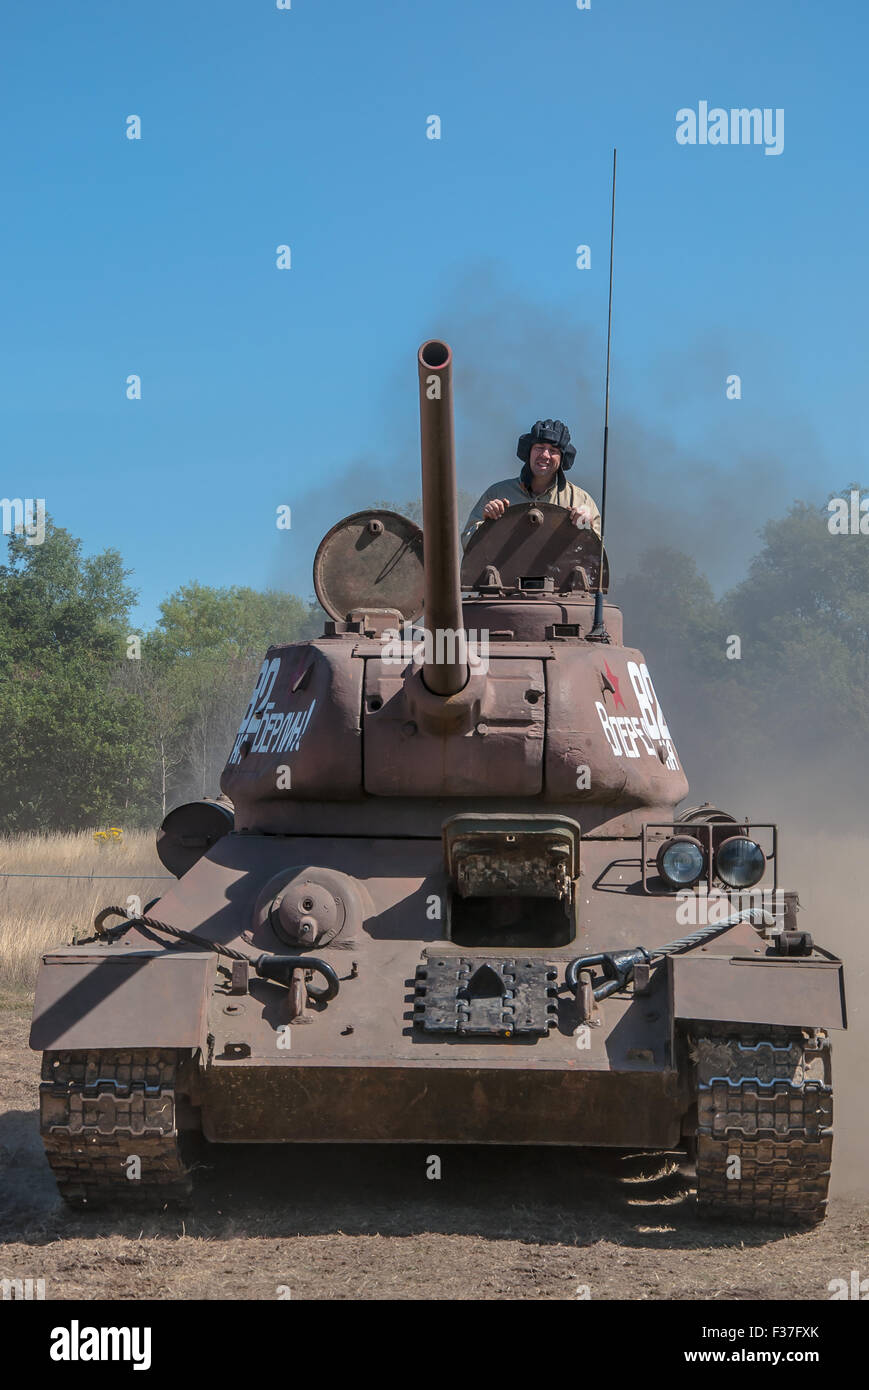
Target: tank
x,y
447,896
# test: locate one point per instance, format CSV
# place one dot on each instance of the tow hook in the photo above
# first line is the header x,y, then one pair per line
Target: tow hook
x,y
281,969
617,970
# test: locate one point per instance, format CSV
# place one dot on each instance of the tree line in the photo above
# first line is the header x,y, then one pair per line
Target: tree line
x,y
93,737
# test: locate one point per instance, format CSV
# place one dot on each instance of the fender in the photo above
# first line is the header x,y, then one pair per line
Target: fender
x,y
757,989
91,997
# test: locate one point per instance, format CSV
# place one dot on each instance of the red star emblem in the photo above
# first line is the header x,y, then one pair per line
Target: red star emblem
x,y
611,682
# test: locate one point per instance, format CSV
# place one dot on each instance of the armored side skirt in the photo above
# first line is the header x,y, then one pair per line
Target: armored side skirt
x,y
248,1102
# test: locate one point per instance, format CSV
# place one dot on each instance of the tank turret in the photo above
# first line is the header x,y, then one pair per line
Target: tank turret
x,y
504,692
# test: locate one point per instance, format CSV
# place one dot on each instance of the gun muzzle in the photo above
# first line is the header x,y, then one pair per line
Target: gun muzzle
x,y
447,670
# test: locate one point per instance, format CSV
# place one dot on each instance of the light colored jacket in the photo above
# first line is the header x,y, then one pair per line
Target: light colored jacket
x,y
560,493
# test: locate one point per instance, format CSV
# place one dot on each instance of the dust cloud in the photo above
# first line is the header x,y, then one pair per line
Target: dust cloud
x,y
516,362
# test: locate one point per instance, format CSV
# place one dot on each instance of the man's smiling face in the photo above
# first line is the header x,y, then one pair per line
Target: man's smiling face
x,y
543,461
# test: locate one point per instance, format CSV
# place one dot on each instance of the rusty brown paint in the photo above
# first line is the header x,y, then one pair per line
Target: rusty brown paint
x,y
94,998
759,990
474,1106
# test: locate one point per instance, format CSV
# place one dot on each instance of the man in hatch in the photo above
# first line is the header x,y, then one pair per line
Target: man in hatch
x,y
546,453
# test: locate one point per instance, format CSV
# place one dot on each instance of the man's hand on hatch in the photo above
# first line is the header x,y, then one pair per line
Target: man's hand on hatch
x,y
495,508
581,516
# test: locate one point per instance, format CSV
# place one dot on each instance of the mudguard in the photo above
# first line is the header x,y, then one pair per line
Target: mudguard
x,y
93,997
764,990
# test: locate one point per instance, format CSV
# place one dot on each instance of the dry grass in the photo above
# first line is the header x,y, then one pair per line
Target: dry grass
x,y
37,914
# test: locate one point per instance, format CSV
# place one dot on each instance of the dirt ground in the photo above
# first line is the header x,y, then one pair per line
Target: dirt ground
x,y
324,1222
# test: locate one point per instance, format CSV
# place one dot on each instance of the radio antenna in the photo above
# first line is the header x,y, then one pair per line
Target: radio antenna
x,y
599,632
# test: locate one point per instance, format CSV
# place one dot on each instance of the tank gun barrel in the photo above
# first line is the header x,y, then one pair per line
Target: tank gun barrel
x,y
445,670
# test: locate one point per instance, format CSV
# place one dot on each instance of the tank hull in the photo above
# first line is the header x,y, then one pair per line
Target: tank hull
x,y
361,1068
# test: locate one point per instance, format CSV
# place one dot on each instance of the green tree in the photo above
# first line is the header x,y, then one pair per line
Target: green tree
x,y
51,599
76,746
669,607
789,713
199,621
199,665
91,736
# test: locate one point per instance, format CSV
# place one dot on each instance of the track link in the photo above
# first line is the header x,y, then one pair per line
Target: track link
x,y
100,1109
766,1101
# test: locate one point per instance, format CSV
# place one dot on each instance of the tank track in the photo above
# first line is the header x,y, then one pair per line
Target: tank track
x,y
768,1101
96,1109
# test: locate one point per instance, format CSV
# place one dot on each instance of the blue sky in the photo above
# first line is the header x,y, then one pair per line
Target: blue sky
x,y
307,127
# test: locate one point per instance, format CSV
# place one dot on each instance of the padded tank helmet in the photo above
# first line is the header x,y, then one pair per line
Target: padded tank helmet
x,y
547,432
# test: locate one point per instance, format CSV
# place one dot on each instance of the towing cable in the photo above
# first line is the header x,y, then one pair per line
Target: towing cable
x,y
618,966
279,969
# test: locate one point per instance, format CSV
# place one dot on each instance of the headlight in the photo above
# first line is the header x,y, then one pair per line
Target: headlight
x,y
681,861
740,862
